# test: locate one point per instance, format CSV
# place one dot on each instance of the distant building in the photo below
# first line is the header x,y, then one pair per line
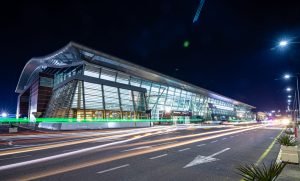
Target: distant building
x,y
261,116
82,83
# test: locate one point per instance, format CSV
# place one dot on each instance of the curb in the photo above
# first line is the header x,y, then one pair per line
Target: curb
x,y
278,157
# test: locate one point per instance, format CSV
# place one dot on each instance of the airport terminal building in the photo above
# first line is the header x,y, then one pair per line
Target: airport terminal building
x,y
82,83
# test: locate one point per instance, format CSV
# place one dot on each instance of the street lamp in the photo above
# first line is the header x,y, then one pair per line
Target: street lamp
x,y
4,114
283,43
289,96
288,89
287,76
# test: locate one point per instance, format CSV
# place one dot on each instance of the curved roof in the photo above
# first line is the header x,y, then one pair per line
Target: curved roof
x,y
67,56
75,54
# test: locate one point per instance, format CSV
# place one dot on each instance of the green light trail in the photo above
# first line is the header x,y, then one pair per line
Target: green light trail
x,y
75,120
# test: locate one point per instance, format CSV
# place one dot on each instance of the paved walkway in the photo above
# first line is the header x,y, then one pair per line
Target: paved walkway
x,y
291,172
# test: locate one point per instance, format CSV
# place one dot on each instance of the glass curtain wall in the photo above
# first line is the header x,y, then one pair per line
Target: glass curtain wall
x,y
160,99
94,101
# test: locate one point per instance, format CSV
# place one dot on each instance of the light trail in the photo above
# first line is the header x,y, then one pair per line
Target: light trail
x,y
68,143
81,165
177,138
50,137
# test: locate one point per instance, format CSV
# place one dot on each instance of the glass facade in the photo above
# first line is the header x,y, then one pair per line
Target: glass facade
x,y
84,87
95,100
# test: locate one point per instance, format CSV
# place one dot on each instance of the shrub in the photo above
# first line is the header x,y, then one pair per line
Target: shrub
x,y
289,132
286,140
254,173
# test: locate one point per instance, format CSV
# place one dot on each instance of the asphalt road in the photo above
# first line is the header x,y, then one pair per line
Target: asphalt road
x,y
157,153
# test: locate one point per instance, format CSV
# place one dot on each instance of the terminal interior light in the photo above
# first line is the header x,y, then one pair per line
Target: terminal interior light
x,y
168,109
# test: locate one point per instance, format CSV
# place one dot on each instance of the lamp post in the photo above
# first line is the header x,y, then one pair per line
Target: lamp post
x,y
288,76
296,98
284,43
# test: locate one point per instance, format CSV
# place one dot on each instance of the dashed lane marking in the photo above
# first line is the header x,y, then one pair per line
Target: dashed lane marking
x,y
159,156
184,149
111,169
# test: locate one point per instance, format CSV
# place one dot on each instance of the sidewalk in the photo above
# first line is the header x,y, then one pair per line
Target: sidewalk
x,y
291,172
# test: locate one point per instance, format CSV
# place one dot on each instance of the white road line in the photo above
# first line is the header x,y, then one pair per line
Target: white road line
x,y
158,156
224,138
201,145
214,141
138,148
115,168
15,157
215,154
184,149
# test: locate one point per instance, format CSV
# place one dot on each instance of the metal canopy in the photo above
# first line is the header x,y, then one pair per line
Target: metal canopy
x,y
75,54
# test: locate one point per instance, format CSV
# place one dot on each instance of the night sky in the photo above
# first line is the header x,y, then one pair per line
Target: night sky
x,y
230,50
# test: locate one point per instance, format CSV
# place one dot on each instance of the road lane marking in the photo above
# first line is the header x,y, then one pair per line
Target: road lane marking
x,y
138,148
15,157
224,138
204,159
215,154
152,158
214,141
201,145
184,149
115,168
